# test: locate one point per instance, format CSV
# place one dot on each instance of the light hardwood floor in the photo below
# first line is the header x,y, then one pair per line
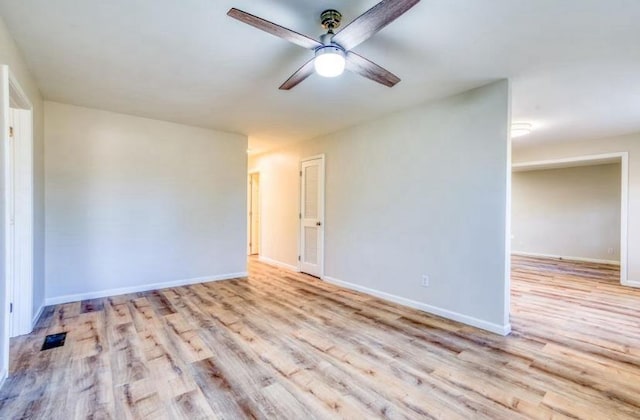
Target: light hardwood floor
x,y
285,345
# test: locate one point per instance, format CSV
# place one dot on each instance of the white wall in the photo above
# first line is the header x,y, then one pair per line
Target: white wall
x,y
420,191
569,212
133,202
11,56
629,143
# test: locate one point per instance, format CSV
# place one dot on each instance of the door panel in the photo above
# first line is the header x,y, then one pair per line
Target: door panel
x,y
310,176
311,242
312,217
10,254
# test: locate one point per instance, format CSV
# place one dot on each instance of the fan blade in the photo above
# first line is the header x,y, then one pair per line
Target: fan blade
x,y
370,22
277,30
360,65
303,72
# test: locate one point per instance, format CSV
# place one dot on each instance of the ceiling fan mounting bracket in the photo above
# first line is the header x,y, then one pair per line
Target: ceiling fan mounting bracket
x,y
330,19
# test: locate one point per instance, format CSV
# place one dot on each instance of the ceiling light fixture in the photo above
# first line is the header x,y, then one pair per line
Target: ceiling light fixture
x,y
520,129
329,61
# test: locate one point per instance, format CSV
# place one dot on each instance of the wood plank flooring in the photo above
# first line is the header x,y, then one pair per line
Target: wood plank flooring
x,y
286,345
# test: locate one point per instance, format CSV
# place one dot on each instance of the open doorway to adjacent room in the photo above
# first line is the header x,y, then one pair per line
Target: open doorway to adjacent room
x,y
569,250
572,211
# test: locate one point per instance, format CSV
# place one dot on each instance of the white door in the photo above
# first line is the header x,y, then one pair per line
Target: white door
x,y
312,216
10,217
19,221
254,214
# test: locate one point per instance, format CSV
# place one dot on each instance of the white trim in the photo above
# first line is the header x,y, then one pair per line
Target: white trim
x,y
143,288
631,283
277,263
623,157
563,257
507,216
23,98
569,162
624,217
314,157
445,313
36,317
4,305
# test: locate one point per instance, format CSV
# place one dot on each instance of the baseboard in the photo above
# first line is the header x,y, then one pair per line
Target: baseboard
x,y
445,313
143,288
562,257
36,317
277,263
631,283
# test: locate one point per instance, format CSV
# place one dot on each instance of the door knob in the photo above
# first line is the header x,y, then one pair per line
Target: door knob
x,y
318,224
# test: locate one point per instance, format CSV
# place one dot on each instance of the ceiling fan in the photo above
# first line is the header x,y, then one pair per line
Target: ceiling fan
x,y
333,51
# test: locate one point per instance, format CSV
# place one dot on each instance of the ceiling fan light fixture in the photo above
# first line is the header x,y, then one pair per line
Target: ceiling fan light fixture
x,y
329,61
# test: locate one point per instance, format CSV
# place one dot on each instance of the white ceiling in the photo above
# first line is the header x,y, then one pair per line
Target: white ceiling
x,y
575,64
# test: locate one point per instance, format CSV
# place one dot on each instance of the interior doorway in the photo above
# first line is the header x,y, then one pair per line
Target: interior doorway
x,y
254,213
16,214
586,222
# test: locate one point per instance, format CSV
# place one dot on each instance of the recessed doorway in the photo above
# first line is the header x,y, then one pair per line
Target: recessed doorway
x,y
590,214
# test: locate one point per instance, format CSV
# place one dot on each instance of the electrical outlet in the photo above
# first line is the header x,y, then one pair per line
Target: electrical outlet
x,y
425,280
610,251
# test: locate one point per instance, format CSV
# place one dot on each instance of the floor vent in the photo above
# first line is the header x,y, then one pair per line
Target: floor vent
x,y
54,340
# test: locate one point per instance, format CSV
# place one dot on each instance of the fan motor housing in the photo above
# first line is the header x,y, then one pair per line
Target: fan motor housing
x,y
330,49
330,19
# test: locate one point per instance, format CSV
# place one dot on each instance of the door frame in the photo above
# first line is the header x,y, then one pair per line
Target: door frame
x,y
249,212
321,206
21,321
615,157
